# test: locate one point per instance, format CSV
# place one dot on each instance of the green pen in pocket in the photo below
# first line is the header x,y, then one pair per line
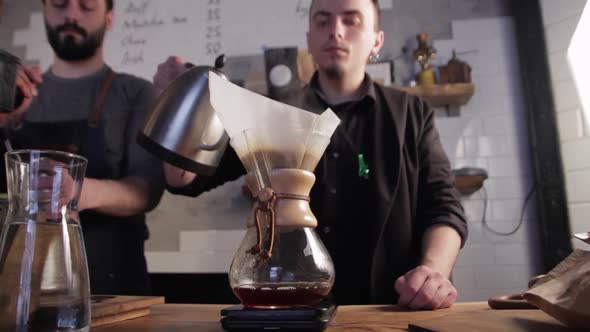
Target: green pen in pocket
x,y
363,167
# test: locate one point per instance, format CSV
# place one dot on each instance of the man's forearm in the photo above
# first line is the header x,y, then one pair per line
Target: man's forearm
x,y
440,248
121,198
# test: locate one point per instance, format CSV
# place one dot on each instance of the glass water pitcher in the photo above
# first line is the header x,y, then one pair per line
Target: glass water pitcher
x,y
43,269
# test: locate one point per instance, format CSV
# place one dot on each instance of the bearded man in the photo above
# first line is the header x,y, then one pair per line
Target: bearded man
x,y
81,105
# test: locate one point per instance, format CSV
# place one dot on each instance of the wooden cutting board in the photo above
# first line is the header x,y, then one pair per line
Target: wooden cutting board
x,y
492,320
108,309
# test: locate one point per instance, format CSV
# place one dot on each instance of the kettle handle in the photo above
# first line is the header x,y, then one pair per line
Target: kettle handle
x,y
215,146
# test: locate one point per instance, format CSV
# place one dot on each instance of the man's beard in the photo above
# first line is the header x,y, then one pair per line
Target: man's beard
x,y
334,72
67,48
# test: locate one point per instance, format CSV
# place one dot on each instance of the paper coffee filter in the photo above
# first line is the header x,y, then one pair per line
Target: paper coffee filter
x,y
326,124
314,149
289,148
240,109
261,150
288,137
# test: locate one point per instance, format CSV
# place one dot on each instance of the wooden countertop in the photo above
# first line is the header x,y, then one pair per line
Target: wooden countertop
x,y
199,317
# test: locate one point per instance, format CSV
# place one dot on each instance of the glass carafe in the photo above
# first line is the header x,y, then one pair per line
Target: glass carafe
x,y
43,269
281,261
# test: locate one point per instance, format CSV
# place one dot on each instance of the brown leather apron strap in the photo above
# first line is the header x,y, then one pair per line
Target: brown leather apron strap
x,y
94,116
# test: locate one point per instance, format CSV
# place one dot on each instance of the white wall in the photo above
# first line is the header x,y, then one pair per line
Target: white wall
x,y
491,133
560,19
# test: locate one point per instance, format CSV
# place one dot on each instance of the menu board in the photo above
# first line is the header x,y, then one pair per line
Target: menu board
x,y
146,32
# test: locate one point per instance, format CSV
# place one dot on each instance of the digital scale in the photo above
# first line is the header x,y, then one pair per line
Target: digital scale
x,y
309,318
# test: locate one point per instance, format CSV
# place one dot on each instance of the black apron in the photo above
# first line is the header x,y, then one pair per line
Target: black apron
x,y
114,245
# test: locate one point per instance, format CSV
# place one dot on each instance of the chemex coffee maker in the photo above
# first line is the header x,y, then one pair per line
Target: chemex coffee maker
x,y
282,273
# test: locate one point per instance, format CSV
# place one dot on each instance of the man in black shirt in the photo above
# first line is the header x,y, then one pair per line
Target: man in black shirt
x,y
387,209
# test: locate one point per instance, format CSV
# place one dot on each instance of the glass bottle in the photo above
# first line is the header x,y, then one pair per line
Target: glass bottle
x,y
43,268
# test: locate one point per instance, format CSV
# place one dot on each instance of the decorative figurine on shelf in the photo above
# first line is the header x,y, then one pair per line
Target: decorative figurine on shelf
x,y
423,54
456,71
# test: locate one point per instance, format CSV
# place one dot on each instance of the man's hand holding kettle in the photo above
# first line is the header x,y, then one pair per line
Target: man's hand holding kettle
x,y
27,79
167,72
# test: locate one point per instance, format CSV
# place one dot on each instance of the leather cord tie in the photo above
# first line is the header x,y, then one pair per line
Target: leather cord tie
x,y
266,200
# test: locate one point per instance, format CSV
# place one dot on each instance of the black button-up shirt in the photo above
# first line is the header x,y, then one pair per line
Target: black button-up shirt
x,y
341,197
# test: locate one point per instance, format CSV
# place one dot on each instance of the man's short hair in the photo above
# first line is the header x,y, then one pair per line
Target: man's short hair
x,y
375,5
109,4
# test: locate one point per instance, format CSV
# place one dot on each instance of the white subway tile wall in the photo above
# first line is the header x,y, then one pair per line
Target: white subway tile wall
x,y
492,133
574,158
557,11
558,66
211,240
212,261
580,211
566,95
578,186
198,235
560,19
571,126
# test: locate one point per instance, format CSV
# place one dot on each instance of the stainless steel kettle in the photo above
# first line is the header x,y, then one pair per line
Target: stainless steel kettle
x,y
182,128
10,96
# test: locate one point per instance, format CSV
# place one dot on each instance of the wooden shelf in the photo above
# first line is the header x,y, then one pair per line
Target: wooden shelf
x,y
442,95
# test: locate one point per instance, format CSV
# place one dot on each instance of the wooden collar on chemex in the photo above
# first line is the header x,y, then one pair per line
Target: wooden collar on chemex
x,y
266,200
